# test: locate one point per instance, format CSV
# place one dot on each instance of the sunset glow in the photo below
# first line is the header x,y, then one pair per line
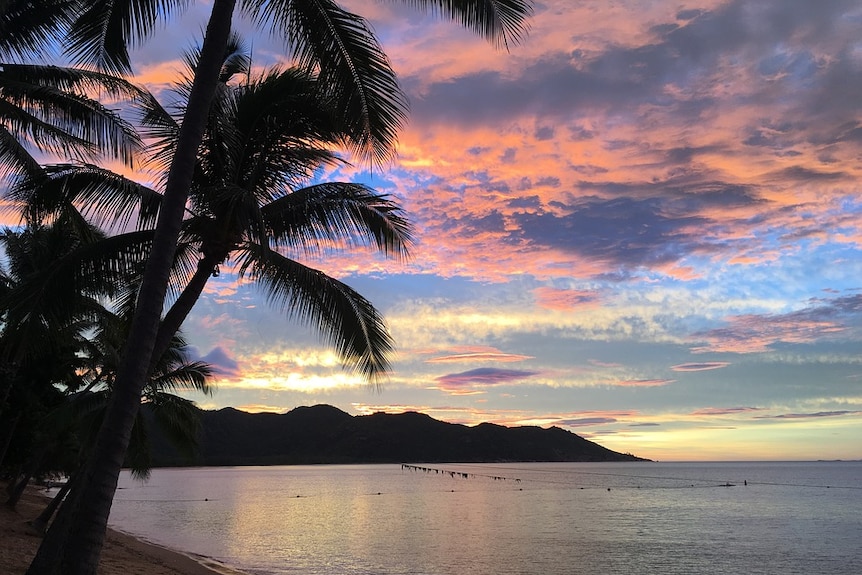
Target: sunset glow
x,y
643,225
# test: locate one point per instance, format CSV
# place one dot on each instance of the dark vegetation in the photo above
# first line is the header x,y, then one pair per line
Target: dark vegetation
x,y
325,434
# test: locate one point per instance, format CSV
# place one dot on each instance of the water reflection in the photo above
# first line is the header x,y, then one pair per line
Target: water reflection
x,y
566,519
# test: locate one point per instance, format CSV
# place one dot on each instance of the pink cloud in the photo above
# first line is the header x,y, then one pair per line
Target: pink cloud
x,y
756,333
565,300
222,362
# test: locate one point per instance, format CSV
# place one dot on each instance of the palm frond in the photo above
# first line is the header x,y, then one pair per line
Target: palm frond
x,y
502,22
14,157
58,111
139,456
103,32
179,420
30,28
185,264
46,136
287,128
161,129
104,196
236,61
190,376
74,80
340,315
338,212
350,63
87,268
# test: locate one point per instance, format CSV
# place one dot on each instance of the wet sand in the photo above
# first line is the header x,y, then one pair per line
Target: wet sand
x,y
122,554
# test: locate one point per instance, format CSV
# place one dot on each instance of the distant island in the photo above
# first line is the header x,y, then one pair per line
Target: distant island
x,y
325,434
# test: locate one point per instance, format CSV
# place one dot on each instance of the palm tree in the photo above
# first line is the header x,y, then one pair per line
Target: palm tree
x,y
264,140
51,109
347,57
71,425
174,370
43,334
62,348
29,28
55,280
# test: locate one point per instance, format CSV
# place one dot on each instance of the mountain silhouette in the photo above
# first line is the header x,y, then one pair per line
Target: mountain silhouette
x,y
325,434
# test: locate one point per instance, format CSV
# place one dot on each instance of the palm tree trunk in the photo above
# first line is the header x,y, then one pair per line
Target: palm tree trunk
x,y
41,522
183,305
74,541
20,483
18,489
7,435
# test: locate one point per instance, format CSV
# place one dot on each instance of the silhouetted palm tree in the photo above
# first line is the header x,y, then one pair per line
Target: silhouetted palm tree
x,y
54,278
53,109
265,139
61,347
30,29
348,59
44,327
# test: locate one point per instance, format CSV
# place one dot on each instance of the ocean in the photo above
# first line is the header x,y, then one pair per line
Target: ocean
x,y
496,519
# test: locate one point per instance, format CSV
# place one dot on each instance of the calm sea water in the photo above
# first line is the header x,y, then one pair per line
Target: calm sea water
x,y
498,519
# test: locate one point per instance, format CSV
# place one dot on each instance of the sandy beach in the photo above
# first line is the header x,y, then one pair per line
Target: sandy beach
x,y
122,554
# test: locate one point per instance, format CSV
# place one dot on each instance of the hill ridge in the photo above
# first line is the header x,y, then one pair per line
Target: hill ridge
x,y
325,434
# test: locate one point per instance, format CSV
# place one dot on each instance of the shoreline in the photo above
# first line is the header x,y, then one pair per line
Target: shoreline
x,y
122,554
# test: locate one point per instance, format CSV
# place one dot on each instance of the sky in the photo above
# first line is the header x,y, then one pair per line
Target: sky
x,y
642,224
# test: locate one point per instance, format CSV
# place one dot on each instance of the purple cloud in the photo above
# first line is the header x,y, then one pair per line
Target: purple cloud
x,y
483,376
221,362
810,415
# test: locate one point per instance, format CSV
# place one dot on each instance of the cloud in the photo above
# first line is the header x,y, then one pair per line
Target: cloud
x,y
565,299
725,410
481,377
222,362
477,356
704,366
585,421
751,333
261,408
622,232
644,382
815,415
